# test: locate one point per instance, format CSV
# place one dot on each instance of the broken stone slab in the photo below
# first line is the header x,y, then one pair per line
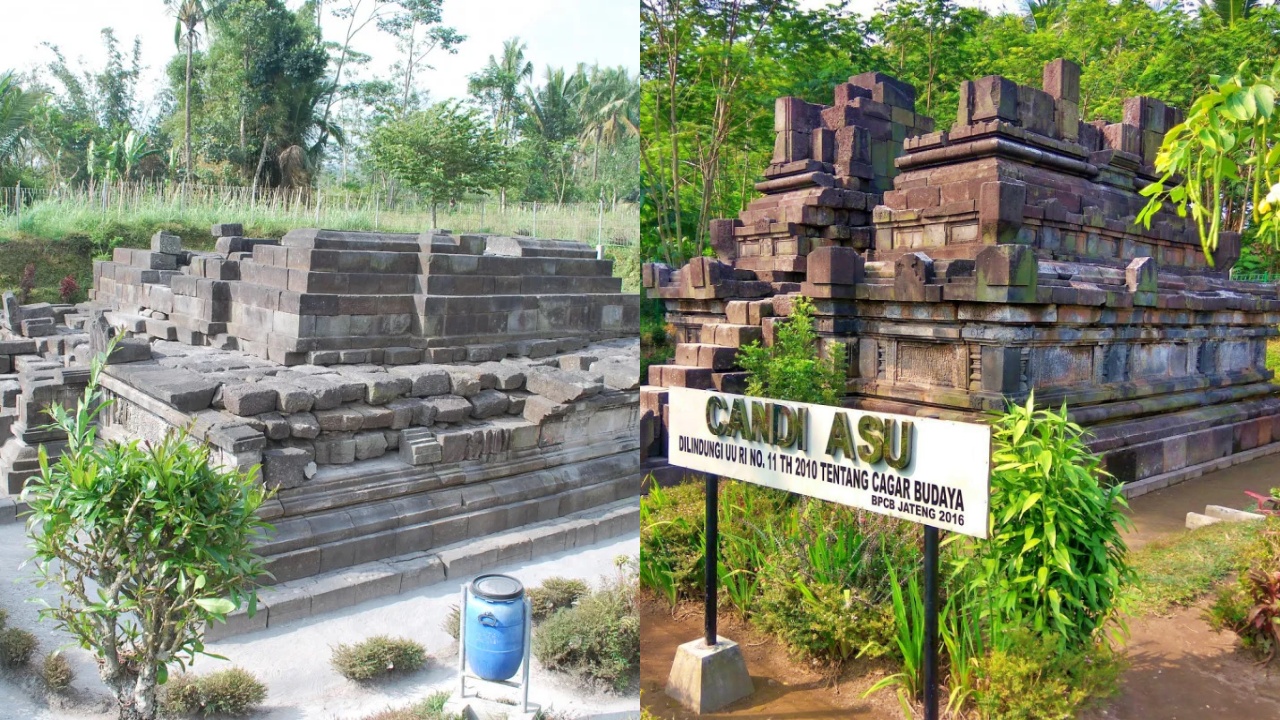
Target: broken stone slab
x,y
303,426
1197,520
619,373
561,386
488,403
248,399
381,387
426,380
182,389
370,445
227,229
506,376
448,408
1227,514
11,317
167,243
539,409
129,350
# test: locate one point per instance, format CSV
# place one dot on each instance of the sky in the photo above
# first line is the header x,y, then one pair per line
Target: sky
x,y
557,32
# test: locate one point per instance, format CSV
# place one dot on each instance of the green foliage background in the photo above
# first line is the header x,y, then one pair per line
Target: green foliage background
x,y
1124,47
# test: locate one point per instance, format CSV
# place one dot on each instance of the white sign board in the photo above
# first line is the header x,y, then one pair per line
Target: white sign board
x,y
929,471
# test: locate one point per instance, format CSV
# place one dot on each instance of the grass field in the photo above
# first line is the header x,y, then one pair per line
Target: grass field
x,y
61,235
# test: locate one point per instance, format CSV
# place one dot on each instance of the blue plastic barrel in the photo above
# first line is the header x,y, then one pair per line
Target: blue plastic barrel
x,y
495,626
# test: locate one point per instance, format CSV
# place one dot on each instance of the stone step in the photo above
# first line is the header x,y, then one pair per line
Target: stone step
x,y
354,546
349,511
453,563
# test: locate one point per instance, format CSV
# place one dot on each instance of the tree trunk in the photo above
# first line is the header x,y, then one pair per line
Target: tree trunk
x,y
408,71
262,159
433,214
190,42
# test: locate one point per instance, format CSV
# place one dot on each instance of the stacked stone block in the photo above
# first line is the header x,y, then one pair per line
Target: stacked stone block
x,y
830,164
401,392
1005,261
327,297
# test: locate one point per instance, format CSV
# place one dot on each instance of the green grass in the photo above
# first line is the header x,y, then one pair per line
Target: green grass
x,y
1273,358
76,211
62,237
1177,571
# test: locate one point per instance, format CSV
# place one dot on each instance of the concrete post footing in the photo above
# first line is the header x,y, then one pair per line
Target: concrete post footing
x,y
705,679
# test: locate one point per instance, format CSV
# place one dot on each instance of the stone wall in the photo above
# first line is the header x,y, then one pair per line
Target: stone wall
x,y
400,393
1006,260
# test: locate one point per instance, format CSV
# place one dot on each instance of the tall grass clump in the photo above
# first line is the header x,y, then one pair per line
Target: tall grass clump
x,y
1025,620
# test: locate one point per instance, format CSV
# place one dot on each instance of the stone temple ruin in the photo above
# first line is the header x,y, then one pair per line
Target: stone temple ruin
x,y
982,263
412,397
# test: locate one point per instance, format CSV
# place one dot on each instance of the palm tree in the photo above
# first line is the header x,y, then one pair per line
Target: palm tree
x,y
190,15
552,109
1229,10
1044,13
513,70
609,108
16,106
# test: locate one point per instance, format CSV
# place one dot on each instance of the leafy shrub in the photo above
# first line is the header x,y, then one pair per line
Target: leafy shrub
x,y
127,532
16,647
599,638
1036,677
1251,606
555,593
378,656
671,540
28,283
56,671
793,368
1055,561
453,621
819,619
68,289
430,708
233,691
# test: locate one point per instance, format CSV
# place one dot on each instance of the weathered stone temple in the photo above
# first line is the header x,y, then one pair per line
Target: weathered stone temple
x,y
984,262
427,406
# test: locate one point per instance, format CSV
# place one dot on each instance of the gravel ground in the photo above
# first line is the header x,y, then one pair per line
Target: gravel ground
x,y
293,659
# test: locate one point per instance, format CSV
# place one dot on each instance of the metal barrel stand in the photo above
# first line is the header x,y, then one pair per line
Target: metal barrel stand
x,y
523,685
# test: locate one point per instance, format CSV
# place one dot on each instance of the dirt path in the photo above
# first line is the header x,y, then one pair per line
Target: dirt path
x,y
1182,670
785,690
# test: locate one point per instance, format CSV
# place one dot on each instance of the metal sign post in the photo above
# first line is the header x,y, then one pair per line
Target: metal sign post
x,y
930,623
712,559
932,472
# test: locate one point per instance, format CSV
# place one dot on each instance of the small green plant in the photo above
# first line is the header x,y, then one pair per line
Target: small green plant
x,y
56,671
1251,606
1056,560
16,647
233,691
1036,677
555,593
908,622
452,623
429,708
377,657
599,638
671,540
147,544
792,368
28,283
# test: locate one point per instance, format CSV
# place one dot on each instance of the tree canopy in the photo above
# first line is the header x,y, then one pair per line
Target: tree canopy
x,y
710,71
275,93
